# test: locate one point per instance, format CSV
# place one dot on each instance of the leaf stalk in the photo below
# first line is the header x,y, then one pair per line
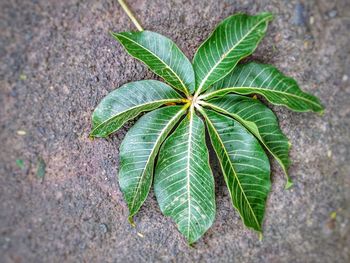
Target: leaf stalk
x,y
130,15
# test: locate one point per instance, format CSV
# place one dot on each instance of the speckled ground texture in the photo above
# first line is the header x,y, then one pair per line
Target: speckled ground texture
x,y
58,61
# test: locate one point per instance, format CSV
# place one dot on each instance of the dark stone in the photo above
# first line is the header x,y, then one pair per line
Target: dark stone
x,y
299,16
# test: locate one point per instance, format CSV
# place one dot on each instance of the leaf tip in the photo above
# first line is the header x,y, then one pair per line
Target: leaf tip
x,y
272,17
190,243
321,112
113,34
289,184
261,236
91,136
98,133
131,221
268,16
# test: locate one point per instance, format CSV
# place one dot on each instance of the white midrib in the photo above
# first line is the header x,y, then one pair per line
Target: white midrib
x,y
133,108
166,65
232,168
225,55
233,89
152,152
188,174
258,136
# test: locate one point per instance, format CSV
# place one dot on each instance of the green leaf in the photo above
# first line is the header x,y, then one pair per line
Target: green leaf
x,y
244,164
41,168
260,121
234,38
139,150
267,81
20,163
183,183
171,146
161,55
128,101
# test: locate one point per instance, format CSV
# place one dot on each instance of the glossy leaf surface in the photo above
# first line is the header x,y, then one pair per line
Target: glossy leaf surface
x,y
244,164
266,80
168,146
139,150
162,56
183,183
233,39
260,121
128,101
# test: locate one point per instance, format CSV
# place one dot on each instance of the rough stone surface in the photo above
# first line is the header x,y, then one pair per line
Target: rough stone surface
x,y
58,61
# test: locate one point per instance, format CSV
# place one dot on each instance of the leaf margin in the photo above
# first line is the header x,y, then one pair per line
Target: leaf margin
x,y
186,90
254,130
209,123
255,90
157,191
94,133
151,159
269,17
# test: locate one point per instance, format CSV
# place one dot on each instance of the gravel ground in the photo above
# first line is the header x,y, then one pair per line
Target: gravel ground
x,y
58,61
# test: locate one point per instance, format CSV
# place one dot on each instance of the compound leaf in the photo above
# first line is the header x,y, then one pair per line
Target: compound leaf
x,y
269,82
128,101
161,55
244,164
183,183
260,121
172,147
233,39
139,150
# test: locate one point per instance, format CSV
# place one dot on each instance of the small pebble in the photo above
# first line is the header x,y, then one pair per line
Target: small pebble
x,y
82,245
332,13
312,20
41,130
59,195
278,37
345,78
299,15
140,235
21,132
65,89
103,228
329,153
13,93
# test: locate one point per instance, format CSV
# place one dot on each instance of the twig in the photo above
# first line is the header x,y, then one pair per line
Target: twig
x,y
130,15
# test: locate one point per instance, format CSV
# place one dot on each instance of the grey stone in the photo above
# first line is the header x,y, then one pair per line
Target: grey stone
x,y
332,13
103,228
299,17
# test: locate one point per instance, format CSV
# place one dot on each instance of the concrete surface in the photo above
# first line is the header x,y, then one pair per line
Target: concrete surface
x,y
58,61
